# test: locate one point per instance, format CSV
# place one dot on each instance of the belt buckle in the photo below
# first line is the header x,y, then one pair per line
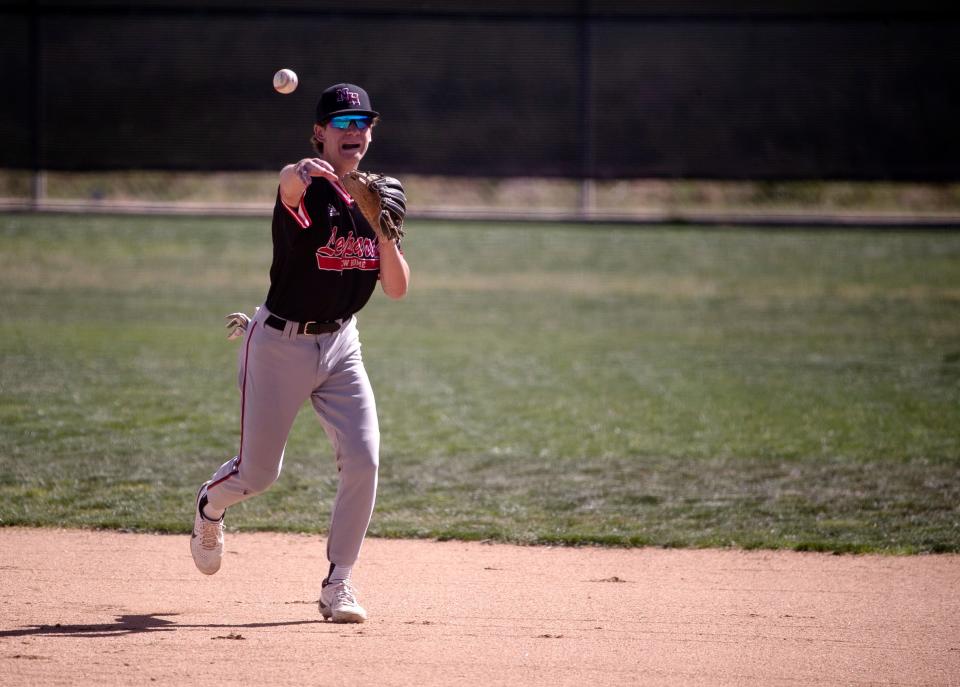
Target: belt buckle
x,y
306,327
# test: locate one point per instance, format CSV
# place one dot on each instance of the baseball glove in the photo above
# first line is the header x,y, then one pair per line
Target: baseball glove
x,y
381,200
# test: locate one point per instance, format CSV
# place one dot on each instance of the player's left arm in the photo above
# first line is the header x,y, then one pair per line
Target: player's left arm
x,y
394,270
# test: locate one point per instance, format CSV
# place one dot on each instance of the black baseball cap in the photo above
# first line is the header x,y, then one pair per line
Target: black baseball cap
x,y
344,98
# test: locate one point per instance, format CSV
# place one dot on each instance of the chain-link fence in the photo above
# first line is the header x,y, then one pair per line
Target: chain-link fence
x,y
588,89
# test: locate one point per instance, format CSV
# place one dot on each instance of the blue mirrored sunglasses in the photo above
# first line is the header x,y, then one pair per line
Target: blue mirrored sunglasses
x,y
343,121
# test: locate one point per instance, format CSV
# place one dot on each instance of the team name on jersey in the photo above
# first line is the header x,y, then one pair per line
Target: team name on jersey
x,y
348,253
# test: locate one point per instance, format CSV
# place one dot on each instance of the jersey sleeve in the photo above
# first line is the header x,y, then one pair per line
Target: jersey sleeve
x,y
298,214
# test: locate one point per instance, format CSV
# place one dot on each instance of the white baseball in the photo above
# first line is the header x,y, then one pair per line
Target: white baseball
x,y
285,81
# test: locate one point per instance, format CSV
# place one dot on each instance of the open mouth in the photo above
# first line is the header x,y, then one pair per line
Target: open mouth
x,y
350,147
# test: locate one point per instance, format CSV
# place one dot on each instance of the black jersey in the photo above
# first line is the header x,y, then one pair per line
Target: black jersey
x,y
326,261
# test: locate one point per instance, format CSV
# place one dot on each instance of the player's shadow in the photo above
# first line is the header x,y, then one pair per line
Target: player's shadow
x,y
131,624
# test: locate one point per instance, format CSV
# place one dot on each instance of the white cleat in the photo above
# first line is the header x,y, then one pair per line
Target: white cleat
x,y
338,602
206,543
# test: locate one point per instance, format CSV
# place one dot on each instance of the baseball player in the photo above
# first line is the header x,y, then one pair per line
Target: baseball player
x,y
302,343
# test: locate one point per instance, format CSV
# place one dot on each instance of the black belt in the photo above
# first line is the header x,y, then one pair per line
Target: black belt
x,y
311,328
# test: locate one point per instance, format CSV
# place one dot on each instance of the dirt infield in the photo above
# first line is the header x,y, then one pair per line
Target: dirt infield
x,y
108,608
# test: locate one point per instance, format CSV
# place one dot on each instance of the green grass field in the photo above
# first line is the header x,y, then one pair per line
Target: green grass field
x,y
541,383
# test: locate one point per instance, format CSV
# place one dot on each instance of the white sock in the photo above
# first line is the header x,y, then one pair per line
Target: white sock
x,y
208,511
340,573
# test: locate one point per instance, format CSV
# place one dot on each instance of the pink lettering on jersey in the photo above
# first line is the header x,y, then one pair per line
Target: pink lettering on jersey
x,y
350,253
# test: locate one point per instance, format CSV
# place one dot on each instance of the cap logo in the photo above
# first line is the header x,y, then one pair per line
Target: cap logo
x,y
345,95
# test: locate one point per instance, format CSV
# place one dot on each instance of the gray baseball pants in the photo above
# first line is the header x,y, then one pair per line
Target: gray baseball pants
x,y
278,371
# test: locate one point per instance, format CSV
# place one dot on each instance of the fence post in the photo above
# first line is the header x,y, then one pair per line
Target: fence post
x,y
38,188
587,198
585,114
38,181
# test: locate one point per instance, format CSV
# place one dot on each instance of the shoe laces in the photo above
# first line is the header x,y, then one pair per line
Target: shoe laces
x,y
210,534
345,593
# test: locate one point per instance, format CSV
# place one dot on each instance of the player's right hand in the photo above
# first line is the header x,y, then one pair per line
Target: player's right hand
x,y
310,167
